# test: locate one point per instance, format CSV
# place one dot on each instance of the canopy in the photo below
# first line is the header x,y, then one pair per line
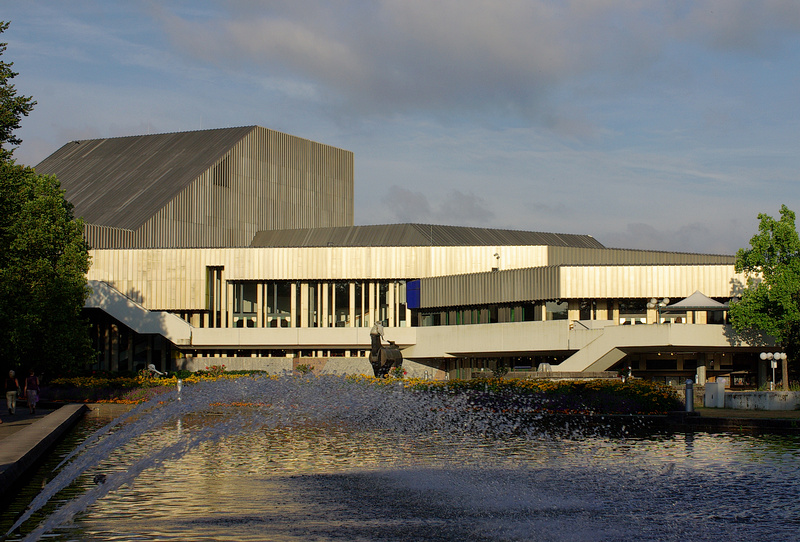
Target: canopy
x,y
696,302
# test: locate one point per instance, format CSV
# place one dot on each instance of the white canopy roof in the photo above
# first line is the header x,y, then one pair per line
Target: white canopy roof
x,y
696,302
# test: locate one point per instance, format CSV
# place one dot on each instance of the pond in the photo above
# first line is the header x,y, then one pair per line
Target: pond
x,y
317,459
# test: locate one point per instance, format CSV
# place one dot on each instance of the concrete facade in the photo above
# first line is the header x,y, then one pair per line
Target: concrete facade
x,y
456,300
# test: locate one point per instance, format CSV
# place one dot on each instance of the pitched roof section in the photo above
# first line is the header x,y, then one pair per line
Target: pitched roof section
x,y
402,235
698,301
122,182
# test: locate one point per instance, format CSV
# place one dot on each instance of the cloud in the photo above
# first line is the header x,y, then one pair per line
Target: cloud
x,y
471,57
456,207
723,237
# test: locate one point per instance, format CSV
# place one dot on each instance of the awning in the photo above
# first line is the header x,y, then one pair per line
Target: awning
x,y
696,302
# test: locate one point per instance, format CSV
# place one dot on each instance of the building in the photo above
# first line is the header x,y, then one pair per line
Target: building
x,y
237,247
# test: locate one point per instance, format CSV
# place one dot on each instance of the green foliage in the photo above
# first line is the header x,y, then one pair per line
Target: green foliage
x,y
12,107
43,257
43,264
611,396
770,302
500,372
304,369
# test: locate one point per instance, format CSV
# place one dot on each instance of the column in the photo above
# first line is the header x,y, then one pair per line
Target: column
x,y
573,309
602,309
390,297
352,308
372,308
293,319
228,318
303,305
261,305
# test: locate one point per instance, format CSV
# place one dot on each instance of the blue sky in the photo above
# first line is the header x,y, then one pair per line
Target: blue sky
x,y
665,125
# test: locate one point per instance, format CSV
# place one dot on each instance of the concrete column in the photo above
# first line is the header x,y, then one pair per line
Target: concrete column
x,y
701,317
303,305
573,309
390,297
615,312
131,347
327,306
216,316
114,347
105,340
261,305
293,319
352,308
320,294
228,305
602,309
364,304
372,311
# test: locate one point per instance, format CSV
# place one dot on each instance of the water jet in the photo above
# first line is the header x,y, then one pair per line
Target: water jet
x,y
332,458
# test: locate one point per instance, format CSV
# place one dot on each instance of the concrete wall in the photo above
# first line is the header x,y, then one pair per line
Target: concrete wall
x,y
762,400
321,365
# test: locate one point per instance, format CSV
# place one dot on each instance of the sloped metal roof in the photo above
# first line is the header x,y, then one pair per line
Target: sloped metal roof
x,y
401,235
122,182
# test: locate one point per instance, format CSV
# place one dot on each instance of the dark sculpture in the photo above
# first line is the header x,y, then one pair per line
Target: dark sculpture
x,y
385,359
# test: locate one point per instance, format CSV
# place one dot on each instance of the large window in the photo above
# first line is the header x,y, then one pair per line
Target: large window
x,y
340,304
245,304
278,304
556,310
632,311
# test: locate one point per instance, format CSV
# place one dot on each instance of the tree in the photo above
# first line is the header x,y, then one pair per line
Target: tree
x,y
43,264
43,257
770,302
12,107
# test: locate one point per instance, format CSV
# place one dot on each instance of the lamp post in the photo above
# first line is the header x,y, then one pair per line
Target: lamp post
x,y
656,304
773,361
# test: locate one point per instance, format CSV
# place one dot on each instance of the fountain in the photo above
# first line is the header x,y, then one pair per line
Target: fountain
x,y
329,458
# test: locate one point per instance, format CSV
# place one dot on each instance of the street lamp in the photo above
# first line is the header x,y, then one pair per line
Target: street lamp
x,y
656,304
773,360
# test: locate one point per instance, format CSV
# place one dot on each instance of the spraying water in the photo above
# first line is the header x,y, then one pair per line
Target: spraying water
x,y
332,458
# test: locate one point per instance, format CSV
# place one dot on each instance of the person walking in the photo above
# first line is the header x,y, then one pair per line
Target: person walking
x,y
32,391
12,390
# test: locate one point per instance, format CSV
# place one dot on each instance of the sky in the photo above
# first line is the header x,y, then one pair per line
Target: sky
x,y
660,125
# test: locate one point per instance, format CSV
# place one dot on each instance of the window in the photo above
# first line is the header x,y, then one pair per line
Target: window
x,y
556,310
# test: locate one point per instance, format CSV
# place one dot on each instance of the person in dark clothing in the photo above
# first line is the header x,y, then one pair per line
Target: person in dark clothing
x,y
32,391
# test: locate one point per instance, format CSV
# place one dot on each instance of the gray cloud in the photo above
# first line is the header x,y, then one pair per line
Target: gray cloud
x,y
724,237
508,58
456,207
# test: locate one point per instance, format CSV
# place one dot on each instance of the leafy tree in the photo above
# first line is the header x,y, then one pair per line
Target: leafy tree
x,y
12,107
43,257
770,302
43,264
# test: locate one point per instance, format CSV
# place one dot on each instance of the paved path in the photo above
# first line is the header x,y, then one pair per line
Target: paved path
x,y
22,419
26,438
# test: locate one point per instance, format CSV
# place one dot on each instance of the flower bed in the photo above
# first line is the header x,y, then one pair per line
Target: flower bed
x,y
569,397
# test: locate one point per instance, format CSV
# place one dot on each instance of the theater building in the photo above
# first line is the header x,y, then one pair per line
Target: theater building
x,y
237,247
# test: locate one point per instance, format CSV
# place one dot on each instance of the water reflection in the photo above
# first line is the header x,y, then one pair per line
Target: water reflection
x,y
281,472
